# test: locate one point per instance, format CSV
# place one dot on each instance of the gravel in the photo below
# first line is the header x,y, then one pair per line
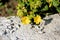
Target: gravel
x,y
11,28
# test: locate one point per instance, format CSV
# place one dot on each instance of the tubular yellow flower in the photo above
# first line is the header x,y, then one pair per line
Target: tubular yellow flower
x,y
25,20
37,19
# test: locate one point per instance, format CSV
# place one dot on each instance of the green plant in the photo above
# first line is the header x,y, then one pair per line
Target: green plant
x,y
28,8
32,8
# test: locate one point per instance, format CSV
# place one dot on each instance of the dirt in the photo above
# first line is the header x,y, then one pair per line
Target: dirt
x,y
8,7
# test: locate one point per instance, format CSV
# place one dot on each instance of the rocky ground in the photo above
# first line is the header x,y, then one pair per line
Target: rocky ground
x,y
11,28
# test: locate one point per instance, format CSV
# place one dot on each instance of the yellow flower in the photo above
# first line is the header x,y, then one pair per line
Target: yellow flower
x,y
25,20
37,19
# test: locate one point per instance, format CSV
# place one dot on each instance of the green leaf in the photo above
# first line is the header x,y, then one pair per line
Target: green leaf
x,y
55,3
45,8
34,10
31,16
58,9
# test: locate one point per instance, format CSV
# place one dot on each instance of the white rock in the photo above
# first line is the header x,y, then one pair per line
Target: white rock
x,y
25,32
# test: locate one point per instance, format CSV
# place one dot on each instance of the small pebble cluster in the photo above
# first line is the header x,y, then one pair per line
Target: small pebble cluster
x,y
9,25
11,28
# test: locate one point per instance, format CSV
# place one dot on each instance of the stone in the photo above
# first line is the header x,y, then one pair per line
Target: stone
x,y
48,29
